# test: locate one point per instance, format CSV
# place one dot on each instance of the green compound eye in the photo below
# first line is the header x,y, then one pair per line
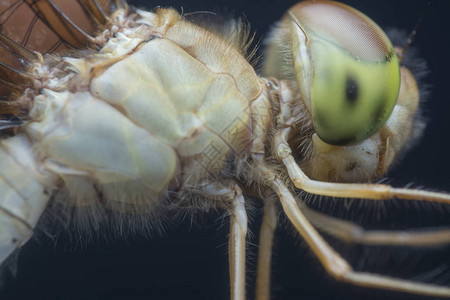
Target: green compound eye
x,y
346,68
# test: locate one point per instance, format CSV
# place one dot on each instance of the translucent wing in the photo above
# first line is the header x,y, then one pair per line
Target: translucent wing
x,y
28,26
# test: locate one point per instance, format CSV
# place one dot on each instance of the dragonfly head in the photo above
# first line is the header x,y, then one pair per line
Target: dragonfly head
x,y
345,67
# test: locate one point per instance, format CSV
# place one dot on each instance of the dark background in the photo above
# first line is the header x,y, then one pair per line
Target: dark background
x,y
190,262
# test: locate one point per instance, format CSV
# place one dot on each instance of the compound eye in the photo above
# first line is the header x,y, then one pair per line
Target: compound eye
x,y
346,68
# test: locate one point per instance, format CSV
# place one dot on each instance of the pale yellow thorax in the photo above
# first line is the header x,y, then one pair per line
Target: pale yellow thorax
x,y
158,108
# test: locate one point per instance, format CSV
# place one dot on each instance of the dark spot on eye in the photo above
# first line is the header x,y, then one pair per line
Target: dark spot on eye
x,y
389,55
377,115
379,111
321,119
351,89
13,240
343,141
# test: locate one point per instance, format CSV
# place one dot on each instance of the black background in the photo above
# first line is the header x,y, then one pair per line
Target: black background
x,y
190,262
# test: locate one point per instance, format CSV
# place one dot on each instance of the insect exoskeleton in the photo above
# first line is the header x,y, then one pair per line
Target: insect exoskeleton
x,y
164,110
156,112
163,107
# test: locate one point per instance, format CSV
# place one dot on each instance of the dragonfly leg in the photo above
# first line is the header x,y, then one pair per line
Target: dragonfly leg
x,y
266,235
335,265
347,190
236,245
232,197
353,233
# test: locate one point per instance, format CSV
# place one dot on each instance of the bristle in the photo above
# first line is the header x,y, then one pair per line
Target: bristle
x,y
235,31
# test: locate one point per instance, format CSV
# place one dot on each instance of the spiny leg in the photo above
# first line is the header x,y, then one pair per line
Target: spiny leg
x,y
335,265
352,233
236,246
266,235
347,190
231,194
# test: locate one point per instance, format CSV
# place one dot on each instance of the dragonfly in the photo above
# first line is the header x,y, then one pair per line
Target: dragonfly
x,y
408,178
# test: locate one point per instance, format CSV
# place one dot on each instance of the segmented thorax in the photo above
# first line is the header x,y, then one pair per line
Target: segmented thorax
x,y
164,105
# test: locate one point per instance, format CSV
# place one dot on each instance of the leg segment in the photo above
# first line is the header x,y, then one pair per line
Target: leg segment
x,y
335,265
231,195
347,190
357,190
352,233
236,246
266,234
